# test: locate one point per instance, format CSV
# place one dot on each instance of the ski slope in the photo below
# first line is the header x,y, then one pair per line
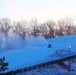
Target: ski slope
x,y
37,51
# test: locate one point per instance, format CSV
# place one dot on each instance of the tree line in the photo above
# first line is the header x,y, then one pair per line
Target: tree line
x,y
48,29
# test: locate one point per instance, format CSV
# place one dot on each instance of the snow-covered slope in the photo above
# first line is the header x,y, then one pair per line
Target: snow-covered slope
x,y
26,56
37,51
63,42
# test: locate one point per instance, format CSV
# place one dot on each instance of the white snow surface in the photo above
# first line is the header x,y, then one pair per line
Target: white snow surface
x,y
25,57
37,51
63,42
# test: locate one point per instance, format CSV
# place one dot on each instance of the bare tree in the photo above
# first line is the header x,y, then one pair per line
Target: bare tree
x,y
34,27
51,26
21,29
5,26
43,30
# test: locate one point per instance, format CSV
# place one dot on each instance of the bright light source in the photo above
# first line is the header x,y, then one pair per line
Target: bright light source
x,y
68,46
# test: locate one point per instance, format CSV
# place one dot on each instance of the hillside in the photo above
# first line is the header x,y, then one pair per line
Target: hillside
x,y
32,55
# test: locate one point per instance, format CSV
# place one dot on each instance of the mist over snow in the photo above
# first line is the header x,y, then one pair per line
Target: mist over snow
x,y
36,42
15,41
11,42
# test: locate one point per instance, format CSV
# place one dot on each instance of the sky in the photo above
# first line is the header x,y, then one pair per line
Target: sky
x,y
17,10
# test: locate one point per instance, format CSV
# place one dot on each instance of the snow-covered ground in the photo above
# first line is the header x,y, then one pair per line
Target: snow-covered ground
x,y
63,42
37,51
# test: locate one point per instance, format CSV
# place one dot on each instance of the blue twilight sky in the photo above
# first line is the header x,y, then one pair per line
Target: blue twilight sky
x,y
41,9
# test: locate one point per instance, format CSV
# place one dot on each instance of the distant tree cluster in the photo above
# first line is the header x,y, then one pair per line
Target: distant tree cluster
x,y
12,34
48,29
